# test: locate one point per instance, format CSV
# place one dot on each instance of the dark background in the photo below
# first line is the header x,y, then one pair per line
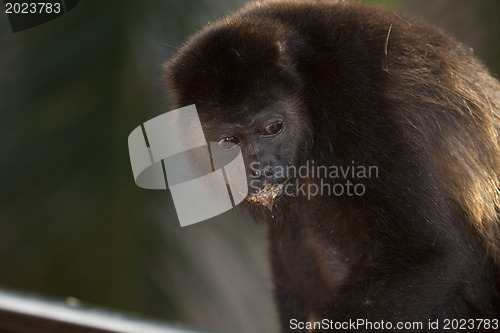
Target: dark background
x,y
72,221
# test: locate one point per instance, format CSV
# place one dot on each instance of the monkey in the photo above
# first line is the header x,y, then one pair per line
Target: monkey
x,y
357,94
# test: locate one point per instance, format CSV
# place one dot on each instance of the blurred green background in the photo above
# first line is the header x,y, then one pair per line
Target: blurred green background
x,y
72,221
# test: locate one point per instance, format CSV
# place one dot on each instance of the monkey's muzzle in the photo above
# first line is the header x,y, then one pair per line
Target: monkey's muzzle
x,y
267,195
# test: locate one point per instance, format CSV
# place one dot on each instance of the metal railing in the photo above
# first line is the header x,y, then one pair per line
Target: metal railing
x,y
20,313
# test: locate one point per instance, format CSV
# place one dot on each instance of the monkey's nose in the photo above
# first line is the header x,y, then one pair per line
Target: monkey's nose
x,y
268,171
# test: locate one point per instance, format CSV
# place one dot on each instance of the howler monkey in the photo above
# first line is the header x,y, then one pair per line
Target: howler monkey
x,y
372,146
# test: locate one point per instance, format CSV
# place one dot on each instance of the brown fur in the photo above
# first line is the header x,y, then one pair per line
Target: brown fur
x,y
365,85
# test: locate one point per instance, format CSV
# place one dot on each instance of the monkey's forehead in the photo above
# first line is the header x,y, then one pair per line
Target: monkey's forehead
x,y
224,67
232,42
247,112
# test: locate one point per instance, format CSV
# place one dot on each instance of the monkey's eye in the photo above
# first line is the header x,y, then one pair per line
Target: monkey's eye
x,y
273,128
228,143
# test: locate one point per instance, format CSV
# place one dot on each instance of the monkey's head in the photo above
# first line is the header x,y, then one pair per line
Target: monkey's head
x,y
247,92
342,84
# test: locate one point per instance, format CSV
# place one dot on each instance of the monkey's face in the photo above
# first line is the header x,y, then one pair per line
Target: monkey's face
x,y
271,139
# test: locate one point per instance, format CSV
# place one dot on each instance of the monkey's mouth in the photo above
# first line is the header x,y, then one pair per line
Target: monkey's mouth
x,y
267,195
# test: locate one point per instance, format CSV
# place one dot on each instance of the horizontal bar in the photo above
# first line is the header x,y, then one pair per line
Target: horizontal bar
x,y
28,314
